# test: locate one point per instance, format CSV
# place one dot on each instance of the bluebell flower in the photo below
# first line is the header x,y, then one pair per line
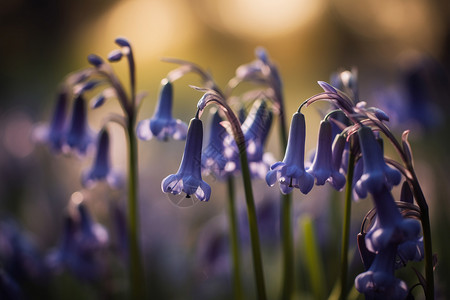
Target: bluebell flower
x,y
376,172
54,133
18,255
162,125
322,166
101,169
213,158
338,152
93,236
188,179
379,281
81,248
389,226
256,129
268,215
213,248
291,171
79,136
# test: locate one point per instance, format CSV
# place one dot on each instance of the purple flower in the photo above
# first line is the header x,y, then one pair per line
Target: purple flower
x,y
101,169
162,125
379,281
79,136
213,248
256,129
19,256
54,134
82,246
322,166
389,226
188,179
213,159
376,173
291,172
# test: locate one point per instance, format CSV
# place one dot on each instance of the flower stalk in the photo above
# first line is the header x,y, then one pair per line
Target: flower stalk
x,y
346,225
234,237
210,97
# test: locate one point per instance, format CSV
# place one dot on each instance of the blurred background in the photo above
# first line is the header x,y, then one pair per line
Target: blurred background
x,y
401,50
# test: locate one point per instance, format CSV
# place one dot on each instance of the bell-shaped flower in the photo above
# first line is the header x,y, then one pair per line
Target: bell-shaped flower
x,y
19,256
162,125
188,179
379,281
214,161
101,169
54,133
322,166
93,236
376,172
256,129
81,248
79,136
291,172
389,226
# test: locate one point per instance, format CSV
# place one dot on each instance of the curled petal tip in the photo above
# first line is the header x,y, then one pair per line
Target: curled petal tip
x,y
326,87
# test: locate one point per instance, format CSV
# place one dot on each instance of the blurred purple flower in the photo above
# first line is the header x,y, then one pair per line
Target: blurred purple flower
x,y
162,125
290,172
81,248
256,129
214,161
79,136
18,255
188,179
101,169
54,134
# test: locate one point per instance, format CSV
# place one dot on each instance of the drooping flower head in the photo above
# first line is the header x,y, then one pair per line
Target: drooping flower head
x,y
54,133
213,159
81,248
162,125
322,166
101,169
376,173
379,281
79,136
290,172
256,129
188,179
389,226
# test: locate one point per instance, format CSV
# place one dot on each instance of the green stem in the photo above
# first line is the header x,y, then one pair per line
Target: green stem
x,y
287,243
286,220
252,222
234,239
136,272
346,226
426,231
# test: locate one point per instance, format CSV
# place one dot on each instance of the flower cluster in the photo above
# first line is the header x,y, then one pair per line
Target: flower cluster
x,y
349,155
